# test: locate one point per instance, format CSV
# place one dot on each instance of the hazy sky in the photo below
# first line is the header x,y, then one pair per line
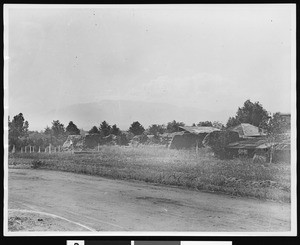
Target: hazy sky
x,y
209,57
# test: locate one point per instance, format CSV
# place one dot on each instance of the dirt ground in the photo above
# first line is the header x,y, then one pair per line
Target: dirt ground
x,y
94,203
19,220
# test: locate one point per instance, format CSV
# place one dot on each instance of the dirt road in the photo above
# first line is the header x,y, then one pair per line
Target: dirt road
x,y
112,205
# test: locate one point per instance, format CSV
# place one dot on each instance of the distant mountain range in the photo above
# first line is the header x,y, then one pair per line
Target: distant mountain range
x,y
124,112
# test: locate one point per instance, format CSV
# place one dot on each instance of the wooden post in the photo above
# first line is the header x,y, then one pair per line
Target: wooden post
x,y
30,149
25,149
49,148
197,147
13,149
33,149
59,148
21,149
54,149
271,153
39,149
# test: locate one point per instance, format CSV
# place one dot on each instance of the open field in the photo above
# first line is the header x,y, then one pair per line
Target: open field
x,y
238,177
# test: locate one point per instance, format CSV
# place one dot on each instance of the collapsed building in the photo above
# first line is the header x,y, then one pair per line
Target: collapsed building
x,y
88,141
254,141
190,136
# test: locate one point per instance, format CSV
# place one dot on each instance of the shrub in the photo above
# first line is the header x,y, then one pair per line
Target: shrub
x,y
37,164
218,141
122,139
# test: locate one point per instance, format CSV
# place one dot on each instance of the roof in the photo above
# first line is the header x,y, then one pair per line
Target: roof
x,y
170,135
249,143
259,143
198,130
247,130
285,114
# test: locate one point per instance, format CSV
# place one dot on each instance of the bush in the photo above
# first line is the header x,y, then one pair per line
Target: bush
x,y
218,141
122,139
37,164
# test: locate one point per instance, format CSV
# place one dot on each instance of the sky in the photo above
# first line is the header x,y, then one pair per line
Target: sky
x,y
211,57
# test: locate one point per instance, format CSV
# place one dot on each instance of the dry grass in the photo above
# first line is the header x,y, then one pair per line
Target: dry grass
x,y
171,167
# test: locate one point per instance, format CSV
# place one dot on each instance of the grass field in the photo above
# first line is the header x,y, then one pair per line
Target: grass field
x,y
202,171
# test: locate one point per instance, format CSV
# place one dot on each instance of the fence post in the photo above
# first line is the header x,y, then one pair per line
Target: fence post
x,y
45,149
21,149
13,149
39,149
59,148
25,149
49,148
271,154
197,147
33,149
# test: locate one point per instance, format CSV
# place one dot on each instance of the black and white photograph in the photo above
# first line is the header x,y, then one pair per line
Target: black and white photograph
x,y
161,119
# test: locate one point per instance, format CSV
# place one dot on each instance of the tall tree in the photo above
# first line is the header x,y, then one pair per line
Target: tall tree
x,y
156,129
174,126
278,124
48,130
58,133
115,130
57,128
205,124
94,130
72,129
252,113
105,128
18,126
17,129
136,128
232,121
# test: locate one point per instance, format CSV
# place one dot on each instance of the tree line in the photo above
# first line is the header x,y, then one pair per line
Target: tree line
x,y
253,113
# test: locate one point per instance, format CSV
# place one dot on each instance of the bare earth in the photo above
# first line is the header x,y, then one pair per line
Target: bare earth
x,y
19,220
113,205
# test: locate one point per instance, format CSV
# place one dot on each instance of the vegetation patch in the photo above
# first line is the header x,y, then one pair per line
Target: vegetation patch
x,y
37,164
183,168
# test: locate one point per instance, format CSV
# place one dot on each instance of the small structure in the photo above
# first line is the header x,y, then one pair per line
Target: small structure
x,y
110,139
247,130
286,117
92,140
279,149
166,138
248,147
73,141
191,136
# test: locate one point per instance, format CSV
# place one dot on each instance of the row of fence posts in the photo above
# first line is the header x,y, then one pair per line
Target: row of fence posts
x,y
32,149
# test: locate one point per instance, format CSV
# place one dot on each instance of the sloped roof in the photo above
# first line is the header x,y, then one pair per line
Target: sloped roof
x,y
247,130
259,143
170,135
198,130
249,143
